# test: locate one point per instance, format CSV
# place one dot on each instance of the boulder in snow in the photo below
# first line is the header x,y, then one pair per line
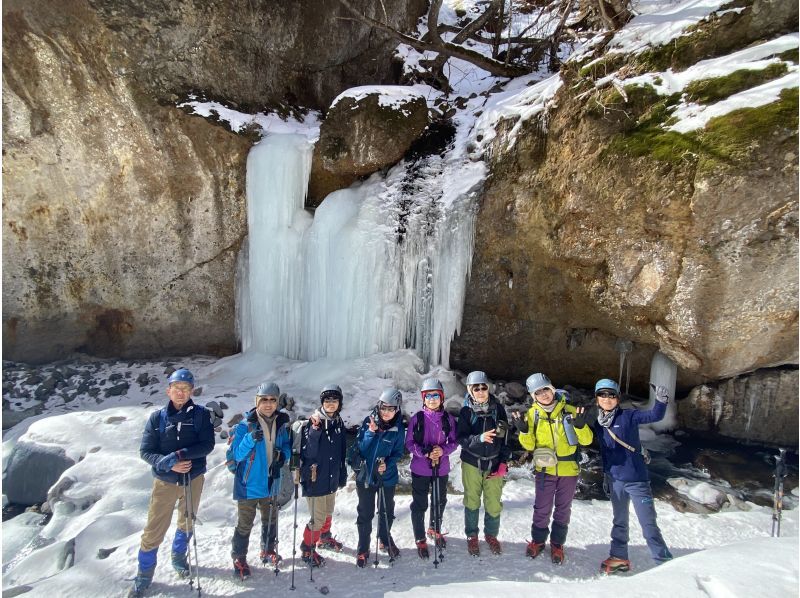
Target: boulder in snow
x,y
49,462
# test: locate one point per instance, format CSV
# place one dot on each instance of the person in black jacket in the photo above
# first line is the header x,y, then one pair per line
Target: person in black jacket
x,y
175,443
482,426
322,472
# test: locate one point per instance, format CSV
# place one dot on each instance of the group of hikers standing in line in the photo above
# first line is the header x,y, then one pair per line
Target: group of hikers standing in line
x,y
178,437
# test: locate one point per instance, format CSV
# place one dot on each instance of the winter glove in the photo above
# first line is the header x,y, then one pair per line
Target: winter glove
x,y
520,423
607,485
277,465
257,435
167,462
579,420
501,472
662,395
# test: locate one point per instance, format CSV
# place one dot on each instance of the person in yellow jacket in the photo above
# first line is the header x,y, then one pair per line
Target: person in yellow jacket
x,y
552,430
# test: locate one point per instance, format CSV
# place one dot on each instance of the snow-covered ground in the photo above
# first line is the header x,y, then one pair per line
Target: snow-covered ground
x,y
724,554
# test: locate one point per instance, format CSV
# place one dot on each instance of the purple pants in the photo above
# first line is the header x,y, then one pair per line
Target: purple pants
x,y
552,491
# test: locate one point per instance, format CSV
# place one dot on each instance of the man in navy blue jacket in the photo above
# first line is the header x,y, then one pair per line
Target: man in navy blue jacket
x,y
175,443
626,473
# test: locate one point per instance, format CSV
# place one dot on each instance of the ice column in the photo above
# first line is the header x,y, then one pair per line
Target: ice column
x,y
664,372
381,266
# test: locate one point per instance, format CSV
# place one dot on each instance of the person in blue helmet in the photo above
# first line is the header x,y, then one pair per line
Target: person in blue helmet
x,y
261,445
381,443
175,443
323,471
625,471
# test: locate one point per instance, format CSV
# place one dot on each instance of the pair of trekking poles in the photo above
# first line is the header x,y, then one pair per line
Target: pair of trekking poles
x,y
382,505
189,514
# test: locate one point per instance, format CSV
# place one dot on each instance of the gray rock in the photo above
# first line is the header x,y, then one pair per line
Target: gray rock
x,y
114,377
197,391
143,379
516,390
48,462
117,390
760,407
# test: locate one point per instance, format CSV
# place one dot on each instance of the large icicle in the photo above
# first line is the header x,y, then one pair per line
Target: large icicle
x,y
382,265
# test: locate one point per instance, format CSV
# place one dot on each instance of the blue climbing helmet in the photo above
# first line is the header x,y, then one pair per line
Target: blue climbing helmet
x,y
606,384
181,375
392,397
477,378
268,389
537,382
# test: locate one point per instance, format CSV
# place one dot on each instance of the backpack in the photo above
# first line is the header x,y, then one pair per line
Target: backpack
x,y
419,428
230,462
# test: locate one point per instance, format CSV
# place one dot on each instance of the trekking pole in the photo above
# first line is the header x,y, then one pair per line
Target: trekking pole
x,y
386,522
378,462
272,500
189,506
777,507
313,523
296,480
436,515
188,519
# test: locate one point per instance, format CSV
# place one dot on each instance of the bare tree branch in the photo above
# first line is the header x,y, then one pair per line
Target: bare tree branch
x,y
495,67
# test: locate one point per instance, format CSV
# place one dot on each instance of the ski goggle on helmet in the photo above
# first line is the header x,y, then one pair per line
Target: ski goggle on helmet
x,y
432,387
390,400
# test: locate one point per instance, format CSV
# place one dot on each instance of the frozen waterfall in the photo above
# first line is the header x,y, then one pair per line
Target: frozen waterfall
x,y
379,267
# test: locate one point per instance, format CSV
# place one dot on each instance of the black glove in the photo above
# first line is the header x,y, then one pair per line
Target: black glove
x,y
520,424
257,434
579,420
277,465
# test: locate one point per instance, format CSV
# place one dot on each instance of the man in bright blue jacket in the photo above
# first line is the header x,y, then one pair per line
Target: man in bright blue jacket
x,y
381,442
625,470
261,445
175,443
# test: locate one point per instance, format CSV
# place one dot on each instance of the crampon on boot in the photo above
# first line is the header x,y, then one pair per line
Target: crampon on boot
x,y
391,548
441,541
180,564
326,540
311,556
422,549
270,557
240,568
473,546
141,582
614,565
557,553
534,549
362,559
494,544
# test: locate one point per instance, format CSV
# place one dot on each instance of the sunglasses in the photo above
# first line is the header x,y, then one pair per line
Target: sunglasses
x,y
268,399
388,408
480,388
431,396
606,395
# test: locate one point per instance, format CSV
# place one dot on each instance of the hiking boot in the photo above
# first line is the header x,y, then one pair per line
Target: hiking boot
x,y
270,557
326,540
391,548
494,544
311,556
180,564
141,582
241,568
614,565
361,559
557,553
534,549
441,541
422,549
473,547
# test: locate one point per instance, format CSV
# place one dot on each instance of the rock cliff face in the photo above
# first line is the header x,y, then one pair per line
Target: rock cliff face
x,y
584,240
123,216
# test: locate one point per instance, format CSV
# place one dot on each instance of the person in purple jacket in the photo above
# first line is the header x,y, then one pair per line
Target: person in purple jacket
x,y
625,470
430,439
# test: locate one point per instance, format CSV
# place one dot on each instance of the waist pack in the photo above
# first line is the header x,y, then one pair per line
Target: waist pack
x,y
544,457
